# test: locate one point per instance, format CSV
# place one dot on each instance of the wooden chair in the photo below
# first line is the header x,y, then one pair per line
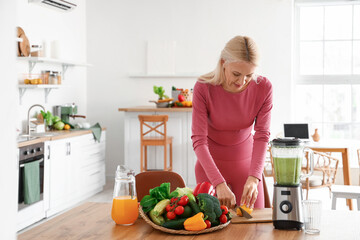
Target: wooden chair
x,y
266,193
268,166
147,180
161,138
325,169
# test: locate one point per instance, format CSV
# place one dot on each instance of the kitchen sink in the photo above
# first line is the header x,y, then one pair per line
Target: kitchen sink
x,y
25,137
45,134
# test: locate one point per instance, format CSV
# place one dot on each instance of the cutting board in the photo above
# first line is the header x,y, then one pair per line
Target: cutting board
x,y
263,215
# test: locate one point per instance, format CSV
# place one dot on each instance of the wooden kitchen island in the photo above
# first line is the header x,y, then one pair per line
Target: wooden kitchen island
x,y
93,221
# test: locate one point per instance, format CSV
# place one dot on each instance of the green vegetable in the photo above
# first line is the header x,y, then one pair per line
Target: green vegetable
x,y
194,207
210,206
148,203
161,192
179,192
187,212
175,224
48,117
173,88
158,220
179,104
160,207
59,125
56,119
160,91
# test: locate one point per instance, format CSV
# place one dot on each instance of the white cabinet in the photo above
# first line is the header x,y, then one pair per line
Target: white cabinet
x,y
77,170
179,127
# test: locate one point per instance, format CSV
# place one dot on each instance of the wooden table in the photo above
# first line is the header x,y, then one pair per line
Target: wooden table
x,y
93,221
338,147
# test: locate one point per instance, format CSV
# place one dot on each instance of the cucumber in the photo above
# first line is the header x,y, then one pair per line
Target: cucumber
x,y
177,224
160,207
187,212
158,220
194,207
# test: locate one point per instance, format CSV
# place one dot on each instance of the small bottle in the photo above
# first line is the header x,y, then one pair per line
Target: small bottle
x,y
59,78
52,78
45,76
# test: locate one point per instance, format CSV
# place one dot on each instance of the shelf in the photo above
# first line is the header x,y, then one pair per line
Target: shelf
x,y
64,63
47,89
178,75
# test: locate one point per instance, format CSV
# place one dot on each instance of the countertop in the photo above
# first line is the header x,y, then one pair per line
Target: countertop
x,y
59,135
155,109
93,221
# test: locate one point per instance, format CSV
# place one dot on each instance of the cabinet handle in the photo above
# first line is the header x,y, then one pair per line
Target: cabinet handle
x,y
49,151
69,148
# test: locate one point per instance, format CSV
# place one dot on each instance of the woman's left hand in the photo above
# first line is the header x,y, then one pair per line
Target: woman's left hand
x,y
250,192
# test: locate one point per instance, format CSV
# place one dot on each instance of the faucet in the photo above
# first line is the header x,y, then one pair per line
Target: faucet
x,y
28,117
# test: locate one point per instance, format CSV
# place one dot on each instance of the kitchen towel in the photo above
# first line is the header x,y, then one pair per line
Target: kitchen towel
x,y
31,182
96,130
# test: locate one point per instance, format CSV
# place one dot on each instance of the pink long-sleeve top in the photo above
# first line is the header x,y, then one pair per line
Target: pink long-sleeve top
x,y
227,119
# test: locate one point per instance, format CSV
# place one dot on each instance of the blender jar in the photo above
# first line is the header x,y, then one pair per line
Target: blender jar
x,y
287,154
125,205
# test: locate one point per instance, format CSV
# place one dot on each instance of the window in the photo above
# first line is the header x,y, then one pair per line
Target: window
x,y
327,67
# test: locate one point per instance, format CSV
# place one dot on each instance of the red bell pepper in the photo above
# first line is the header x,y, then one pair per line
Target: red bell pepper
x,y
204,187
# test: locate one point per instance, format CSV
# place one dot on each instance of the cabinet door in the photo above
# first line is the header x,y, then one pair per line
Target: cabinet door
x,y
59,162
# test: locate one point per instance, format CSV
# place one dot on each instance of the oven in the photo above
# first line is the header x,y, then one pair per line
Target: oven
x,y
30,154
29,213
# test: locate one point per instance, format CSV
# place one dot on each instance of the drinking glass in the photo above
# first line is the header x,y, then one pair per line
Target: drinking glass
x,y
312,216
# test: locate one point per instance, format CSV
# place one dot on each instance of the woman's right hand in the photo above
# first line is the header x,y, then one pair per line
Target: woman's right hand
x,y
225,195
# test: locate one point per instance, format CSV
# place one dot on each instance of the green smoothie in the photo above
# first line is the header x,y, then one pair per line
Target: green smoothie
x,y
287,170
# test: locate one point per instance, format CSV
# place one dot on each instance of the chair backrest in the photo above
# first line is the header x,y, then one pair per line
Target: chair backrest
x,y
160,120
324,165
150,179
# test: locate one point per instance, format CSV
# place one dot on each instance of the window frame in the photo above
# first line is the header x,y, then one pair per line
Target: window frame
x,y
324,79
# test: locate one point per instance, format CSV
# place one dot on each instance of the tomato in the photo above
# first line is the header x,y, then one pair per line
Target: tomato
x,y
181,98
223,218
224,209
179,210
168,208
170,215
208,224
173,200
183,200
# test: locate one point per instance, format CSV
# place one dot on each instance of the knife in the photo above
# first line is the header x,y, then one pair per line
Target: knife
x,y
244,213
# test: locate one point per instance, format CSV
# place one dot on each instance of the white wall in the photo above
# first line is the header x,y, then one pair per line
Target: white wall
x,y
117,32
9,164
69,28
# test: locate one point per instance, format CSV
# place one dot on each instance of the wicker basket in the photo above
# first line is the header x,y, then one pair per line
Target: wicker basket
x,y
182,232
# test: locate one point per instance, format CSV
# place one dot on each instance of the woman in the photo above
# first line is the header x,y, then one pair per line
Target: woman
x,y
227,103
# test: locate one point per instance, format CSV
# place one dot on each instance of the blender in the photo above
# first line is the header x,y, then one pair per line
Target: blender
x,y
287,154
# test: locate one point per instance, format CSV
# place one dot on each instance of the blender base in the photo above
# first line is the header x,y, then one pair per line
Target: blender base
x,y
287,225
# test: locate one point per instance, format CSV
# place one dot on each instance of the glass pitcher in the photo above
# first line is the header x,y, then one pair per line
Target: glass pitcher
x,y
287,154
125,205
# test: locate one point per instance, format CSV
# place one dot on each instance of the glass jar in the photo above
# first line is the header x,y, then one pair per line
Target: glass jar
x,y
125,205
45,76
53,78
59,78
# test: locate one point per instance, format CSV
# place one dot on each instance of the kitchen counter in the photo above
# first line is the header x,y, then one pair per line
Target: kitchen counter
x,y
59,135
155,109
93,221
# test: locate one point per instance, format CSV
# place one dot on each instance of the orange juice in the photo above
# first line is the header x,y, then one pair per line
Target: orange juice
x,y
125,210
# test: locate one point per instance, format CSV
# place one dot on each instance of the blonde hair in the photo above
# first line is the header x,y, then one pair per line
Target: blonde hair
x,y
239,48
